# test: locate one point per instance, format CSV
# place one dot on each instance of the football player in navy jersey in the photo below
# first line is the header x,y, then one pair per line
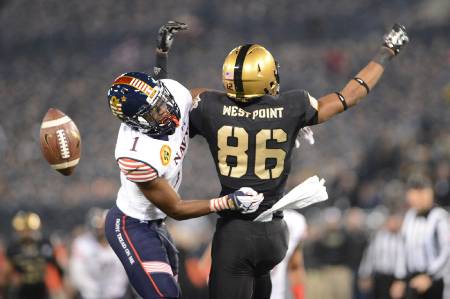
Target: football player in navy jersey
x,y
150,148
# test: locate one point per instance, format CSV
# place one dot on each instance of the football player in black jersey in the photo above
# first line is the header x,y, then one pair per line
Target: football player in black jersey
x,y
28,258
251,129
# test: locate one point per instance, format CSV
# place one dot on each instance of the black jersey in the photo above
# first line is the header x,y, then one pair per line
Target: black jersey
x,y
30,258
252,143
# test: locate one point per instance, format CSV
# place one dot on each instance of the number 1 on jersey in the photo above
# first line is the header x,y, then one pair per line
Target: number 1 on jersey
x,y
133,148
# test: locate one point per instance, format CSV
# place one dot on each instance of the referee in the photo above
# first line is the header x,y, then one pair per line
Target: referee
x,y
377,267
425,232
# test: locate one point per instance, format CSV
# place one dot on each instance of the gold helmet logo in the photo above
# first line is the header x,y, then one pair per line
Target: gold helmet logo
x,y
250,71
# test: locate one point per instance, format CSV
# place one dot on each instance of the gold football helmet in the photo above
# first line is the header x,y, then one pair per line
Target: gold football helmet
x,y
250,71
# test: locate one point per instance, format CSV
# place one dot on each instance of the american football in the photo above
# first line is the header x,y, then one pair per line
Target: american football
x,y
60,141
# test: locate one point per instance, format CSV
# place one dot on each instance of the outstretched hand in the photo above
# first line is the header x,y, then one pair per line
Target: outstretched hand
x,y
166,34
396,38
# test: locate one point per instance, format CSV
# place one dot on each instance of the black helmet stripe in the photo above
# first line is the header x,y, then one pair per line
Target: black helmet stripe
x,y
238,85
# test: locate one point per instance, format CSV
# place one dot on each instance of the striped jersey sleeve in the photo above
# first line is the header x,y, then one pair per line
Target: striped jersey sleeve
x,y
137,171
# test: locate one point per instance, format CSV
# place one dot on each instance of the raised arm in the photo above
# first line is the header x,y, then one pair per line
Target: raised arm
x,y
357,88
164,41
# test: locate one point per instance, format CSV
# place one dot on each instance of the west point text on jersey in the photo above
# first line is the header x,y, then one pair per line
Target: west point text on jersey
x,y
259,113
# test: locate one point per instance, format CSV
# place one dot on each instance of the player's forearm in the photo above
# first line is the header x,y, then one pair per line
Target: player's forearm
x,y
160,70
160,193
356,89
366,79
369,75
186,209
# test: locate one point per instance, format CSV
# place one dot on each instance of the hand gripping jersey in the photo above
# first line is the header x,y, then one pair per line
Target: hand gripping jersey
x,y
251,143
143,158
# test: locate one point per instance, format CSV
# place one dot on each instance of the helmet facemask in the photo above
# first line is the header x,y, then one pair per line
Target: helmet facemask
x,y
159,116
276,88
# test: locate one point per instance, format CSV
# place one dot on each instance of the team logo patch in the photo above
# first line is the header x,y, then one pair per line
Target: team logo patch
x,y
165,154
116,105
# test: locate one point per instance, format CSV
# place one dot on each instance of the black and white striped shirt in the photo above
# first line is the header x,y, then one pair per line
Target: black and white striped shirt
x,y
425,244
381,255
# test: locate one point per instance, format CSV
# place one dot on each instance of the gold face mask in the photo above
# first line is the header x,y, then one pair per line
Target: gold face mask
x,y
250,71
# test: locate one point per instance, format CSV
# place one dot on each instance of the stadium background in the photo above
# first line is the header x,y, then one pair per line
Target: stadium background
x,y
65,54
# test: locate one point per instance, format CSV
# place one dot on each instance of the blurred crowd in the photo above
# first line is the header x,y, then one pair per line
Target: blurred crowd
x,y
65,54
81,265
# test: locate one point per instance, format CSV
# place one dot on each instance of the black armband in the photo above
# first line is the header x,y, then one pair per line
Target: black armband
x,y
342,100
383,56
362,83
160,69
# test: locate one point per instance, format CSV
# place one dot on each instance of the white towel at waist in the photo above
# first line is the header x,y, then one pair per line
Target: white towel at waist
x,y
310,191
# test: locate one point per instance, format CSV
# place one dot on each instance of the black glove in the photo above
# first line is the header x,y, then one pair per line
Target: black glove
x,y
166,34
396,38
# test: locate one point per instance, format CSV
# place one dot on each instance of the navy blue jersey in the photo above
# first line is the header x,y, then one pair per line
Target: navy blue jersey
x,y
252,143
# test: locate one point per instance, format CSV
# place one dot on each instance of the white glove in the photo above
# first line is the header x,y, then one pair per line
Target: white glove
x,y
304,133
396,38
246,200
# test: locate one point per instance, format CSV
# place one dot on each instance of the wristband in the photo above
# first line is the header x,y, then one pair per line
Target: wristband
x,y
342,100
362,83
219,204
384,55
